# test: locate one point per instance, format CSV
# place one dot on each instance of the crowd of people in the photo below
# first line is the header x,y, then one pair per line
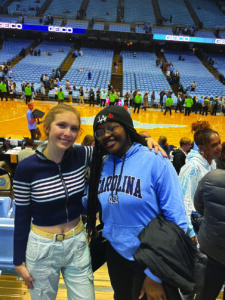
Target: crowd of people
x,y
56,240
111,96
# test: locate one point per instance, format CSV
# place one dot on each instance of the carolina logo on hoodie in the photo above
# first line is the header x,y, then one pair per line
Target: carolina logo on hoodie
x,y
130,185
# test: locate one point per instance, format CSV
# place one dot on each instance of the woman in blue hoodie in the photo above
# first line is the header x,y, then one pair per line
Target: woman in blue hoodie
x,y
133,186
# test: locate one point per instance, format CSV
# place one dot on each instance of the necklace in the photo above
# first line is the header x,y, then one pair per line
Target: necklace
x,y
113,198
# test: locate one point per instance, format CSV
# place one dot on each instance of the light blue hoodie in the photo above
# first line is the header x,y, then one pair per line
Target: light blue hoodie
x,y
149,186
191,173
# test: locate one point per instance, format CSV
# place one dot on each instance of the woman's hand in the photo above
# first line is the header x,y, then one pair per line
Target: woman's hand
x,y
25,274
152,289
153,144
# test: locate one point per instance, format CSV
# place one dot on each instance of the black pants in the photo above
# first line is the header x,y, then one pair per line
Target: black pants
x,y
35,134
168,108
198,108
103,102
187,111
214,110
126,276
214,279
4,95
91,100
28,97
137,105
179,107
205,110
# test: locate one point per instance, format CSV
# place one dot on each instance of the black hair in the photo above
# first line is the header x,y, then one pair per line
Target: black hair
x,y
95,174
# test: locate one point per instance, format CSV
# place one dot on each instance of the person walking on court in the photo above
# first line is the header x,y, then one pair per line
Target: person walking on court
x,y
60,95
28,93
205,107
169,102
91,97
137,102
188,104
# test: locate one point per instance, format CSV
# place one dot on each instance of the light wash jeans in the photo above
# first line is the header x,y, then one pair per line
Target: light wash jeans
x,y
45,258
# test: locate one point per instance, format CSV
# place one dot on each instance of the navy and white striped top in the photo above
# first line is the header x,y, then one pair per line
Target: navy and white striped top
x,y
48,193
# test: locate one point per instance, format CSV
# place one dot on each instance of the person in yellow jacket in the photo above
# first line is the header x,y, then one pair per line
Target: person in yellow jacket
x,y
28,93
60,96
206,105
188,104
169,102
137,101
112,98
4,92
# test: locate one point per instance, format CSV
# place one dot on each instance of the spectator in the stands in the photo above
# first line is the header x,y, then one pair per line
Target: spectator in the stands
x,y
23,52
220,162
89,75
209,202
28,149
179,155
193,86
103,98
75,53
162,141
10,73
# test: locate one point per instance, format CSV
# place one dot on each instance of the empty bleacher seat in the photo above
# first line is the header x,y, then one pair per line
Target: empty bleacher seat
x,y
134,12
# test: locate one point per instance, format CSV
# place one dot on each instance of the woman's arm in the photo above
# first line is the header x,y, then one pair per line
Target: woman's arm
x,y
189,180
22,222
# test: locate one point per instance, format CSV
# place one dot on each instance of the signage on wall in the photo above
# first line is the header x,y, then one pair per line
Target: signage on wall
x,y
42,28
66,30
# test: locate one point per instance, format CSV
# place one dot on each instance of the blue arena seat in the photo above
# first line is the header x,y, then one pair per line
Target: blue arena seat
x,y
5,204
6,249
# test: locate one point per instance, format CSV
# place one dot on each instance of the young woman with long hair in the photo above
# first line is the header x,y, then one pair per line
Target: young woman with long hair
x,y
131,186
49,235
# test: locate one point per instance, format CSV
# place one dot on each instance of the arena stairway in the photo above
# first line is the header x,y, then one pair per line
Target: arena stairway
x,y
117,78
67,64
175,86
211,69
